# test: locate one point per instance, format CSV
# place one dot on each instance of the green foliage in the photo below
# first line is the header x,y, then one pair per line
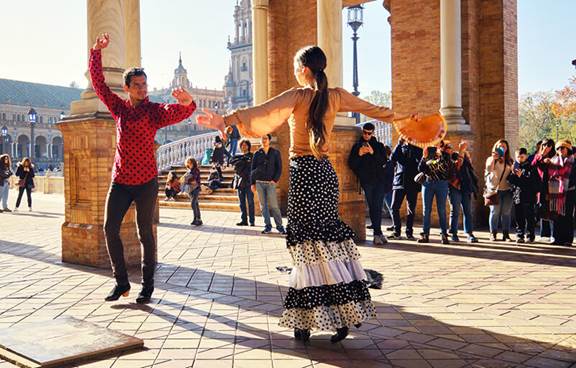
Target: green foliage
x,y
548,115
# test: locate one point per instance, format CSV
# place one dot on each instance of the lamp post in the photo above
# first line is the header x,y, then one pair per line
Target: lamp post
x,y
32,116
4,134
574,62
355,21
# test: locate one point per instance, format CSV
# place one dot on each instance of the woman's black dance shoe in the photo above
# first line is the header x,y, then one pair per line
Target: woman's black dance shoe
x,y
340,335
302,335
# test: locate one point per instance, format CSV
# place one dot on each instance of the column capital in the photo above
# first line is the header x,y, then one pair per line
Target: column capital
x,y
260,4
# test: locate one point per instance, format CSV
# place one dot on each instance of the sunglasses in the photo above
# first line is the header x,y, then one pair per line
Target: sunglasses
x,y
560,148
367,132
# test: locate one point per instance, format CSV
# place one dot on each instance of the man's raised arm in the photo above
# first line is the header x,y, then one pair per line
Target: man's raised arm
x,y
109,98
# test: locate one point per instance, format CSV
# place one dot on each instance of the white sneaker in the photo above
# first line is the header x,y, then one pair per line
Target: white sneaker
x,y
15,209
380,240
29,209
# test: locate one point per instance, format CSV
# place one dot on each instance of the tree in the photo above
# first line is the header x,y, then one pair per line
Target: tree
x,y
548,115
377,98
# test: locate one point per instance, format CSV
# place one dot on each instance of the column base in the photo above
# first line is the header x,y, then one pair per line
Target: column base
x,y
454,119
85,244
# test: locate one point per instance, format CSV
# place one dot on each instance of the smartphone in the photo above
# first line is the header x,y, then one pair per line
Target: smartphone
x,y
431,151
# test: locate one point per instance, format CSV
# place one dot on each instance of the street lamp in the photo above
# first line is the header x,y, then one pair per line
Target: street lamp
x,y
62,115
32,116
574,62
4,134
355,21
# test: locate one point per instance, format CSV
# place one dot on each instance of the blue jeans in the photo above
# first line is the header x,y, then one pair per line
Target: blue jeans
x,y
4,191
269,204
459,199
233,147
438,189
375,198
502,212
244,195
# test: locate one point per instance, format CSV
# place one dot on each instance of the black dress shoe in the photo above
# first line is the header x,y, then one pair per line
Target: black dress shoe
x,y
117,292
242,223
340,335
145,295
302,335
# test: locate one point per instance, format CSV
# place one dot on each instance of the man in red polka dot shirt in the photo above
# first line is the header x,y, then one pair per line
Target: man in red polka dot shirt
x,y
134,176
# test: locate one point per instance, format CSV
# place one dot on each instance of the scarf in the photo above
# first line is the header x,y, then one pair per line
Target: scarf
x,y
559,172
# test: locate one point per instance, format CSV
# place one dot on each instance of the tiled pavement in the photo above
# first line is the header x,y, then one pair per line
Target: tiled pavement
x,y
218,299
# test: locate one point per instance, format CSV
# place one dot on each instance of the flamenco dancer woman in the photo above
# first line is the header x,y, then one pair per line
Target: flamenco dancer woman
x,y
327,290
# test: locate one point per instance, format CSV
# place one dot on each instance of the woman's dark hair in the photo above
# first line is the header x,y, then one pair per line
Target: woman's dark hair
x,y
247,142
549,143
314,59
172,176
24,160
507,157
4,158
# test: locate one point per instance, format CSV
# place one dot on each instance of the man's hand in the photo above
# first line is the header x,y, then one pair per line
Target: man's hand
x,y
253,188
183,97
102,41
518,172
369,150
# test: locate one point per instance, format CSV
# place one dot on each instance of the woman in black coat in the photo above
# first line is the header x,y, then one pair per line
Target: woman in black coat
x,y
25,174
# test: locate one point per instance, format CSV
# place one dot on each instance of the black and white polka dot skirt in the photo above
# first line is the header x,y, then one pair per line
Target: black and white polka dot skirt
x,y
328,288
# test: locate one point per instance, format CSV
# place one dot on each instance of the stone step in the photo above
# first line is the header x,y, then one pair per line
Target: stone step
x,y
204,205
214,197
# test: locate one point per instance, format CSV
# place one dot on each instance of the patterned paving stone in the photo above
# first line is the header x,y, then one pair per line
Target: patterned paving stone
x,y
218,299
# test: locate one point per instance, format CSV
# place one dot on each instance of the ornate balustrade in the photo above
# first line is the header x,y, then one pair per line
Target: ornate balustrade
x,y
175,153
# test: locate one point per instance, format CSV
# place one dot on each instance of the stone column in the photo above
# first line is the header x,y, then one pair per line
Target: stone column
x,y
329,18
451,65
132,32
89,135
260,50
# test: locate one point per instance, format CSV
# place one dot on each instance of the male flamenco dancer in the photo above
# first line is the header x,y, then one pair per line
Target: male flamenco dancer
x,y
134,175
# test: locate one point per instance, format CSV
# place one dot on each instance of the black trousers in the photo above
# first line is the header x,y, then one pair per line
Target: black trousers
x,y
119,199
525,219
564,225
374,193
398,196
170,193
21,190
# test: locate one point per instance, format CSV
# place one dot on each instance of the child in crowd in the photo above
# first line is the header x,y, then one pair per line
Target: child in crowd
x,y
525,183
172,186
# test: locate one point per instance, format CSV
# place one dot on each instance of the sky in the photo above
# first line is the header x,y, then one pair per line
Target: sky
x,y
45,42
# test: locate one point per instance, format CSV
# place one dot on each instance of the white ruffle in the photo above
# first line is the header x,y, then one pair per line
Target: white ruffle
x,y
319,251
326,273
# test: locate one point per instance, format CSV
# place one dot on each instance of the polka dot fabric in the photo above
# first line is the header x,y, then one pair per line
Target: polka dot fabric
x,y
328,318
312,252
317,236
135,158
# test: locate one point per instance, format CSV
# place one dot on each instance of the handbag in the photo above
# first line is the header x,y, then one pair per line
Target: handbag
x,y
420,178
22,182
492,198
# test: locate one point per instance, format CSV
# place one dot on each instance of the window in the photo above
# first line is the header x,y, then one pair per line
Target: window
x,y
18,117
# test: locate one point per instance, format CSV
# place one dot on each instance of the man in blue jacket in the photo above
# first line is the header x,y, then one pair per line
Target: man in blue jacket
x,y
265,173
407,158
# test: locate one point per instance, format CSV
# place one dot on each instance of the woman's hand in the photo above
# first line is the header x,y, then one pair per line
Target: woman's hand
x,y
212,120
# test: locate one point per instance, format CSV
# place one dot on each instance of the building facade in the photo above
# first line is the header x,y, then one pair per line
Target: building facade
x,y
238,81
205,98
16,130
